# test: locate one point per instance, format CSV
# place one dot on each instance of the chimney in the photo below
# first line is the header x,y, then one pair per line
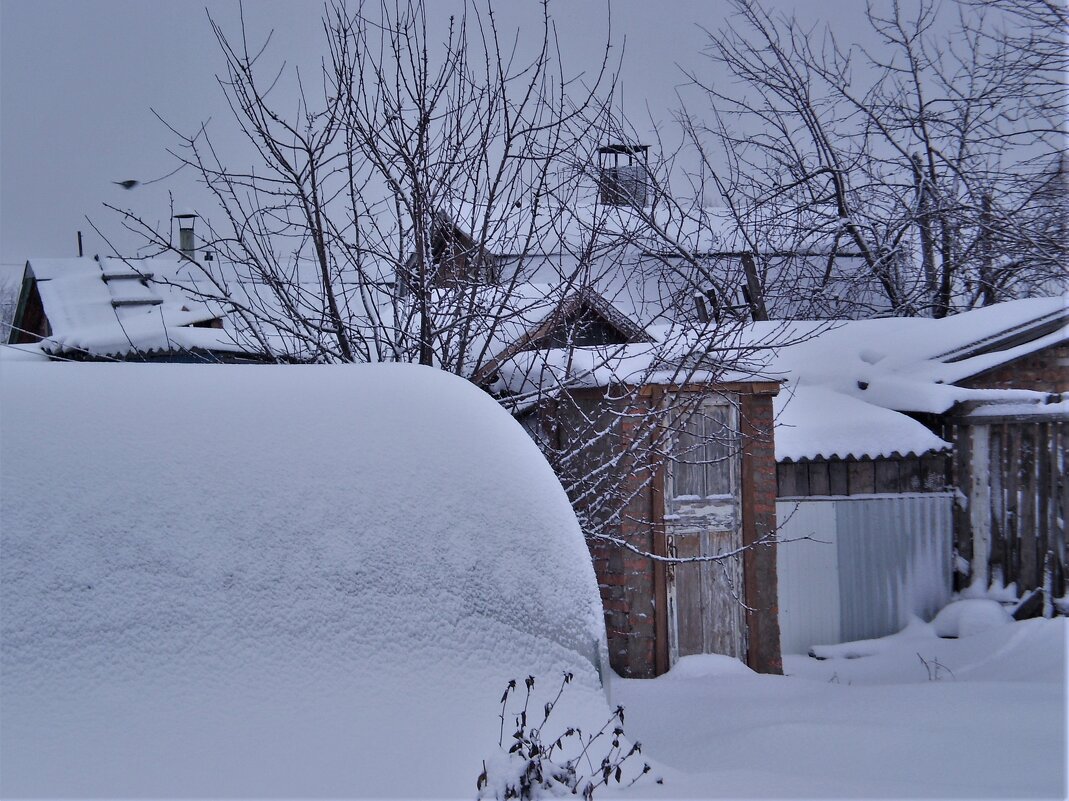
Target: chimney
x,y
623,175
186,244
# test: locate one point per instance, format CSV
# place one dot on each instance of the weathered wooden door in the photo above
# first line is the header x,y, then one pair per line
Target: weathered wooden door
x,y
702,518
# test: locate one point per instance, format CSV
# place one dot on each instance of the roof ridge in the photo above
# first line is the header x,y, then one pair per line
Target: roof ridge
x,y
963,352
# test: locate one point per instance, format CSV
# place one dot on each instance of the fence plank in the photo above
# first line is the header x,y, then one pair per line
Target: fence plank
x,y
1002,546
1012,567
862,477
960,473
1028,498
818,479
1060,492
1031,565
886,475
838,479
979,493
1042,499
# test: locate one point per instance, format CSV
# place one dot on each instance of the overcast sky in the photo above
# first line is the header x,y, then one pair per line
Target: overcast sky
x,y
79,80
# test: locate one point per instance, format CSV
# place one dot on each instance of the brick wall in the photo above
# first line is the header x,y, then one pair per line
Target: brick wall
x,y
628,581
759,526
633,586
632,579
1046,370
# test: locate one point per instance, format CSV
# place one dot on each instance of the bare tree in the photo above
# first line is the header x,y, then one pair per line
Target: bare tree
x,y
437,198
921,154
366,228
430,201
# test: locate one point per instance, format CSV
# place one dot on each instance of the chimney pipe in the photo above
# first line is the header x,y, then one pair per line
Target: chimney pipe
x,y
186,245
623,184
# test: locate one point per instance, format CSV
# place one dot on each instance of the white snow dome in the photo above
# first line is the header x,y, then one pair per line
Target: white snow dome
x,y
275,581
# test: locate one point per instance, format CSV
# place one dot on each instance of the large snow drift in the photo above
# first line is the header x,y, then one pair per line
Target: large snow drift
x,y
275,581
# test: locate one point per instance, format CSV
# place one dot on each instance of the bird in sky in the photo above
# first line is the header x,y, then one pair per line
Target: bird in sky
x,y
128,184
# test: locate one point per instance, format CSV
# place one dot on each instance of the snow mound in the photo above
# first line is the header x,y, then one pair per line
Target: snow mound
x,y
915,630
976,717
701,666
969,617
276,581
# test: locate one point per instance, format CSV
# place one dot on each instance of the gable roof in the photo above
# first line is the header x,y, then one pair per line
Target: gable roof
x,y
662,256
1012,325
554,313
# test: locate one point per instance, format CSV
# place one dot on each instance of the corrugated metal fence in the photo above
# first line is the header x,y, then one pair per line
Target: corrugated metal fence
x,y
869,564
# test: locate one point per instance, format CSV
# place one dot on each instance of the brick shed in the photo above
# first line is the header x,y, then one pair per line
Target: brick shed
x,y
693,474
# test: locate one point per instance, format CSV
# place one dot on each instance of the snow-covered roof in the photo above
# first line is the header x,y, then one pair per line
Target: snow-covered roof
x,y
1050,410
276,581
109,307
815,421
23,353
650,255
899,365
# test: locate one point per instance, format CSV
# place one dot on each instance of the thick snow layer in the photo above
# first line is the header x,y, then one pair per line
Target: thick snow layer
x,y
873,369
276,581
22,353
817,420
1057,409
983,716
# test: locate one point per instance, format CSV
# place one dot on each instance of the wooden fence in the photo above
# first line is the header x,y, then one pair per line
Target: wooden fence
x,y
837,477
1012,471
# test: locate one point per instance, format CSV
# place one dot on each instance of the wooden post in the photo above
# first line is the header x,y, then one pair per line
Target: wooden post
x,y
660,548
980,504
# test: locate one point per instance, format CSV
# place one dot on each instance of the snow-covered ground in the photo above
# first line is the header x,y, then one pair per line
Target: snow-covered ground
x,y
981,716
315,581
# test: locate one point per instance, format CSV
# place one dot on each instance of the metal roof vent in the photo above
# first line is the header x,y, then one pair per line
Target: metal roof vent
x,y
623,179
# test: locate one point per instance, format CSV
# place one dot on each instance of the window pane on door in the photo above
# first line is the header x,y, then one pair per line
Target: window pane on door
x,y
720,448
688,469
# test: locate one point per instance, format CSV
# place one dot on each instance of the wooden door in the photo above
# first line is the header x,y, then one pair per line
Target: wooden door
x,y
702,518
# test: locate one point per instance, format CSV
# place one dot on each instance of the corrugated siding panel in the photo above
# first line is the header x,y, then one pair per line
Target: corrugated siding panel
x,y
894,561
808,575
891,559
